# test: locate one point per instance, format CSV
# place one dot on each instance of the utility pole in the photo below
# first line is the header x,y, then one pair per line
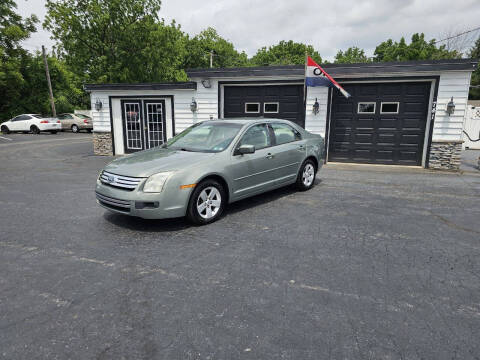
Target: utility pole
x,y
47,72
211,58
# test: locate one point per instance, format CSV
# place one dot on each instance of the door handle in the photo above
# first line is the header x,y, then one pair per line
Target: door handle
x,y
301,147
269,156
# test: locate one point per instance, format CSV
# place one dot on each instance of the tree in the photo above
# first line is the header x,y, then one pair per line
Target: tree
x,y
13,29
285,53
418,49
224,54
475,54
116,40
351,55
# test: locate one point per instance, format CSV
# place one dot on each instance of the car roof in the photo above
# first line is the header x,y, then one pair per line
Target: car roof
x,y
250,120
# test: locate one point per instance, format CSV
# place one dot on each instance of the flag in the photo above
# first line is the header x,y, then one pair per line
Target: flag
x,y
316,76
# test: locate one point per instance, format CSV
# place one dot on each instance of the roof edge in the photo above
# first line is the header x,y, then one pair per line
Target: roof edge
x,y
185,85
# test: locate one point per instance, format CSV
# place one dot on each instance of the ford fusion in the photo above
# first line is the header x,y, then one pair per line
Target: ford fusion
x,y
209,165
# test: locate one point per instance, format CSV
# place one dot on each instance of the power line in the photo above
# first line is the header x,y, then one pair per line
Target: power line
x,y
455,36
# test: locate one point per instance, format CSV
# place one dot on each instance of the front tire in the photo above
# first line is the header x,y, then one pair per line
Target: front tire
x,y
34,130
75,128
306,175
207,202
5,130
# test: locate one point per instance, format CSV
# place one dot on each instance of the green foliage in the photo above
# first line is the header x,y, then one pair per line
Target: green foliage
x,y
13,29
351,55
117,40
285,53
418,49
224,53
475,54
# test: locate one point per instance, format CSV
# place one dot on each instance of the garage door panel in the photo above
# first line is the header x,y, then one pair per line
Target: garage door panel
x,y
380,138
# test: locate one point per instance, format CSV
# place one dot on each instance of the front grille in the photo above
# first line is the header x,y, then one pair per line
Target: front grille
x,y
119,181
112,203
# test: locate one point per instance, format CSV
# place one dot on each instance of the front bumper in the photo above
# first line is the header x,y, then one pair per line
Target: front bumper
x,y
167,204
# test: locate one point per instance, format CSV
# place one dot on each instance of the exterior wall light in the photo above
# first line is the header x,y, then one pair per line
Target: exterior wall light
x,y
316,107
206,83
450,107
98,105
193,105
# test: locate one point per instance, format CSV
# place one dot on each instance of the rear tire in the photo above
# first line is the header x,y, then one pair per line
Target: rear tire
x,y
53,131
75,128
89,130
207,202
306,175
5,130
34,130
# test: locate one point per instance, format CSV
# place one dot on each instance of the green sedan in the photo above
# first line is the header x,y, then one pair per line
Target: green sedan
x,y
209,165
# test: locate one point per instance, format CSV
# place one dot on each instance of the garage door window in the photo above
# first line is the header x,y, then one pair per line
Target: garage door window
x,y
366,108
389,108
270,108
252,108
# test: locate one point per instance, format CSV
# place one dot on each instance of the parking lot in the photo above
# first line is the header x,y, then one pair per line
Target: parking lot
x,y
373,262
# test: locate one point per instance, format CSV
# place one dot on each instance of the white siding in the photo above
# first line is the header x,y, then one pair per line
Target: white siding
x,y
456,84
101,119
316,123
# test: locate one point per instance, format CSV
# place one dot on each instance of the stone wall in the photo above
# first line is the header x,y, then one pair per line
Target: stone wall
x,y
102,143
445,155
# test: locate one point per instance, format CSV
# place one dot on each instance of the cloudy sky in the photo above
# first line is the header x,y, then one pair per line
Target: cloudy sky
x,y
327,25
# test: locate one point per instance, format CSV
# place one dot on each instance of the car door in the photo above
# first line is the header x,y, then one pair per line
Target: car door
x,y
13,125
253,173
21,123
289,149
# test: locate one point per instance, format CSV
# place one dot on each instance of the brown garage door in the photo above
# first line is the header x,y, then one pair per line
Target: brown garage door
x,y
382,123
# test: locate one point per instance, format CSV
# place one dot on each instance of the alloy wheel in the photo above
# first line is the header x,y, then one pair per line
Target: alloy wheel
x,y
209,202
308,175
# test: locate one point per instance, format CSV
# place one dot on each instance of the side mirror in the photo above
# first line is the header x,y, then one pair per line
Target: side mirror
x,y
246,149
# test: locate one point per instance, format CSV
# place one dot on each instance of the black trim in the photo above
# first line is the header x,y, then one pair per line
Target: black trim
x,y
436,78
187,85
140,98
112,133
327,124
340,69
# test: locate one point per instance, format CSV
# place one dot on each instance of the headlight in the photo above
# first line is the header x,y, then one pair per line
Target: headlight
x,y
154,183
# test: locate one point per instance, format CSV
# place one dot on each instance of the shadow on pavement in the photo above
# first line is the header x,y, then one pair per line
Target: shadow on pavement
x,y
167,225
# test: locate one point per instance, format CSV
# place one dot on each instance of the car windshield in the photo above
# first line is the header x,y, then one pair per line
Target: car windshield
x,y
205,137
38,116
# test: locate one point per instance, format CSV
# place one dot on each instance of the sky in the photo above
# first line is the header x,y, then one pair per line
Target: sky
x,y
327,25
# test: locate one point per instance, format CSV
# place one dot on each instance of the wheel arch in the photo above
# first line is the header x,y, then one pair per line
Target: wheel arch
x,y
221,179
314,159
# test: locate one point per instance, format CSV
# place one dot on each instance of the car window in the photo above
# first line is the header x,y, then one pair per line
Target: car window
x,y
257,135
21,117
38,116
208,136
68,116
285,133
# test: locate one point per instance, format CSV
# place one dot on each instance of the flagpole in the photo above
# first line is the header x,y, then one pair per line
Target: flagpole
x,y
305,82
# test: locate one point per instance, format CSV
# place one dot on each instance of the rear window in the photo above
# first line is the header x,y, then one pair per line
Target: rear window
x,y
38,116
84,116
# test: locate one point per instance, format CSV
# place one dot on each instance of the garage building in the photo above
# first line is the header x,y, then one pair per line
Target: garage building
x,y
397,113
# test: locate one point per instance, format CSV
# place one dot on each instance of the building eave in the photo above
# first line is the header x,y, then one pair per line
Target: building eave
x,y
188,85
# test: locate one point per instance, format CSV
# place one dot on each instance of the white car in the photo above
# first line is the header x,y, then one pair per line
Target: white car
x,y
31,123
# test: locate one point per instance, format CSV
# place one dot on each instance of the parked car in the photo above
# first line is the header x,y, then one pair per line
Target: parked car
x,y
34,123
210,164
76,122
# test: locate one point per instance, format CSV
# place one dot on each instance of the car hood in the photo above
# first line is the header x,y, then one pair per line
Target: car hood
x,y
149,162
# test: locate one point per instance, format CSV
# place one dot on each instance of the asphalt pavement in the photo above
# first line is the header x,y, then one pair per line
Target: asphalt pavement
x,y
372,263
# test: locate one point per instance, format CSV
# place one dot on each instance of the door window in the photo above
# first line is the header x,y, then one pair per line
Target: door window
x,y
252,108
133,126
258,136
285,134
